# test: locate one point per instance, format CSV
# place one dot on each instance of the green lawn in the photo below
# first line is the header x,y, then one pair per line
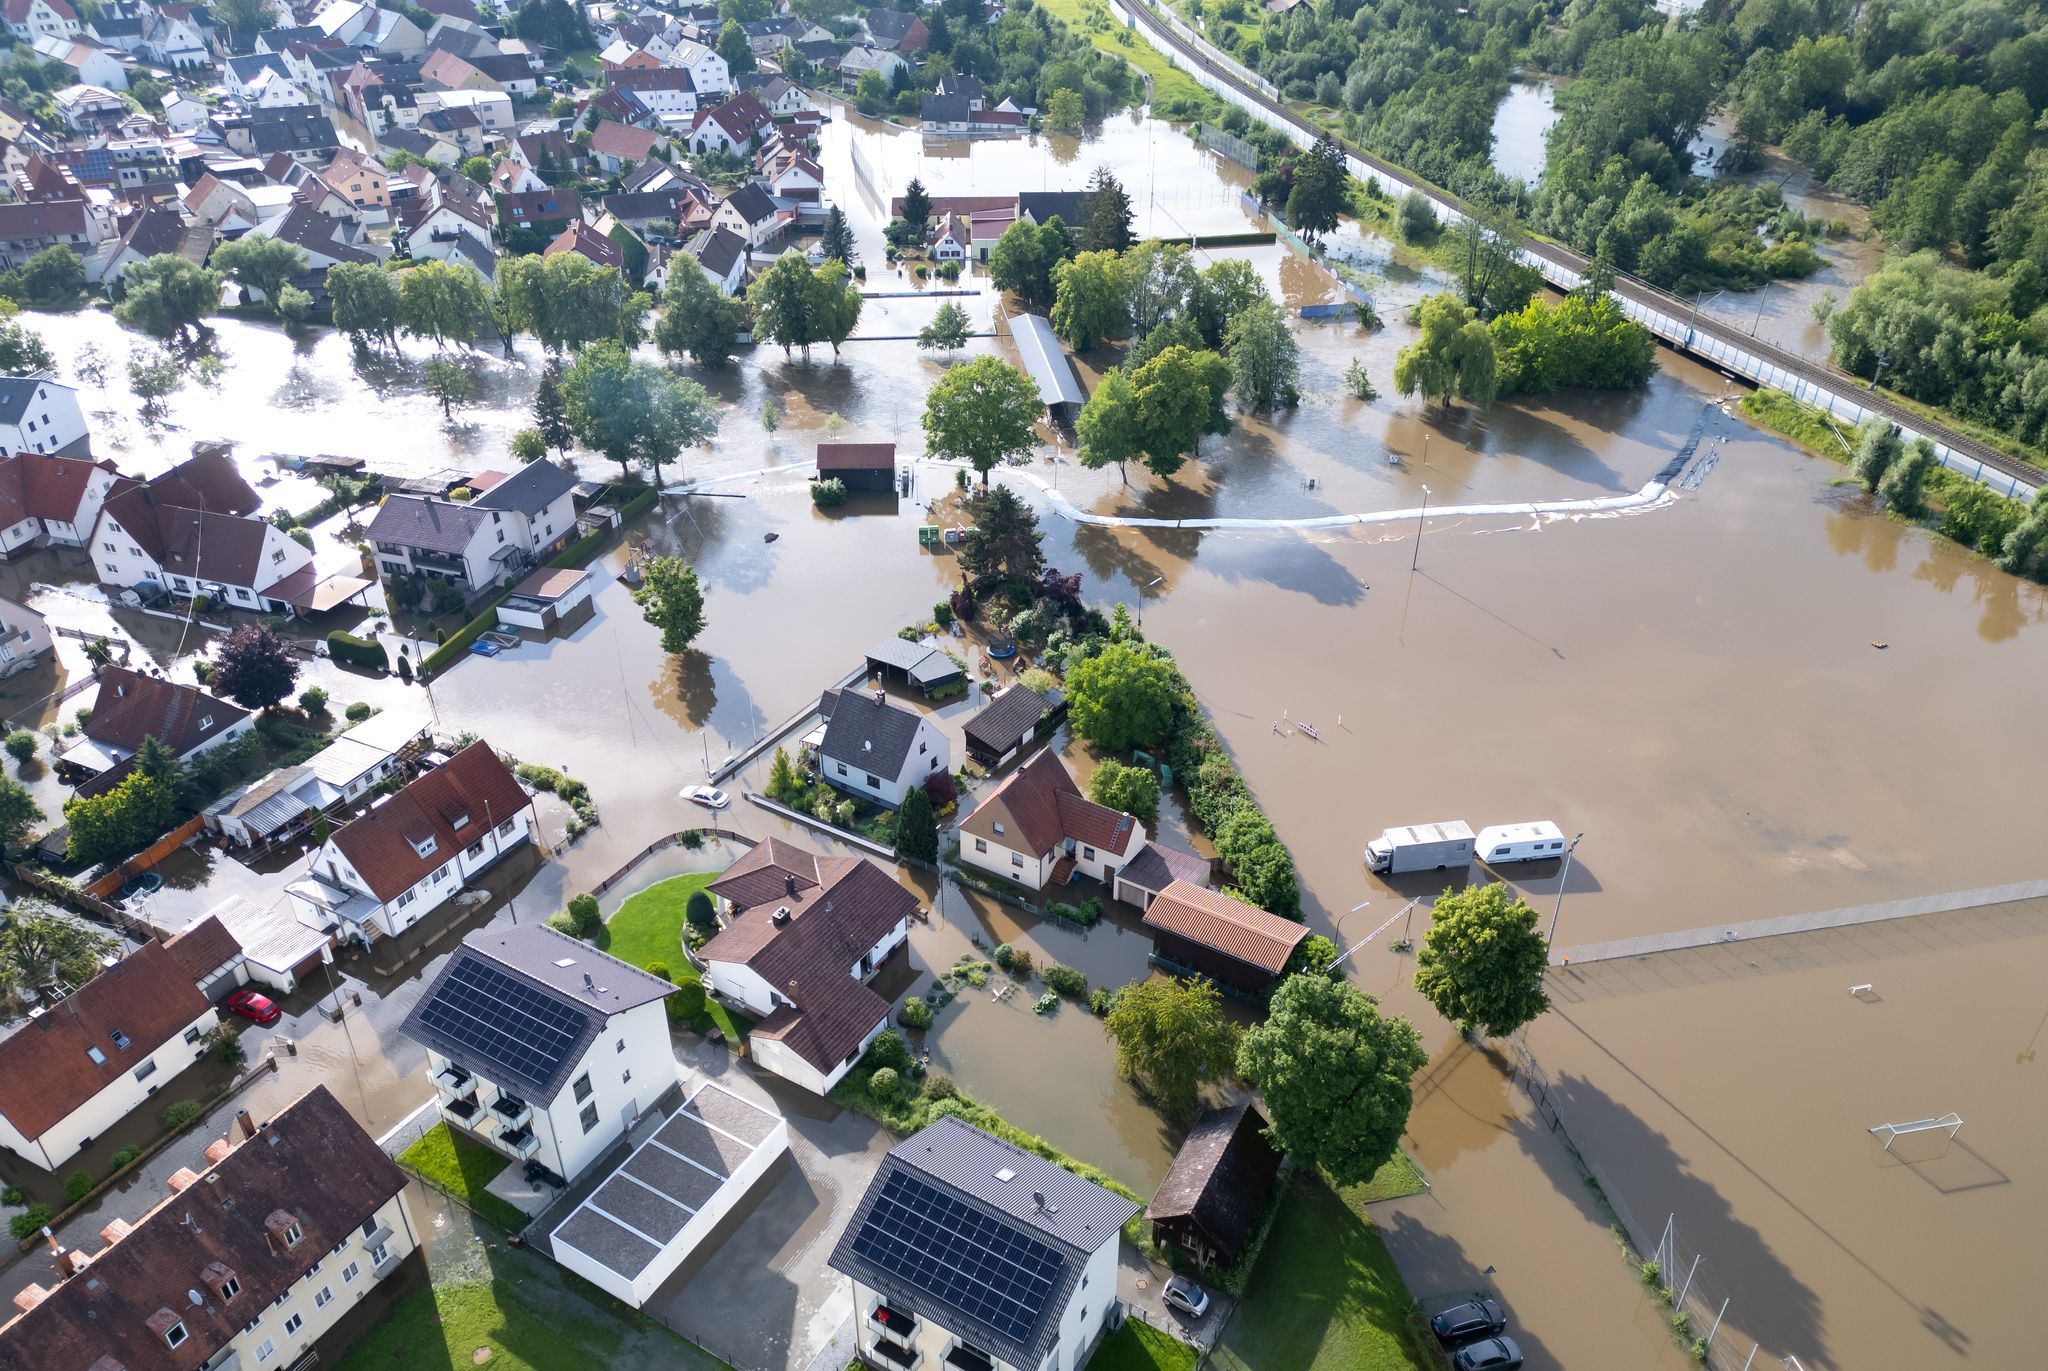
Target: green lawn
x,y
463,1167
1397,1178
1325,1296
1138,1346
1175,94
648,928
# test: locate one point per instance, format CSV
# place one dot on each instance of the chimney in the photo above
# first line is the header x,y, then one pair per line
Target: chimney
x,y
51,1239
115,1231
70,1264
183,1179
789,883
217,1150
782,916
28,1299
246,1124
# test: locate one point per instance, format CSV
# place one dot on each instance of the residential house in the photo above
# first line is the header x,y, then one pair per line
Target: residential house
x,y
49,501
1208,933
1028,1280
859,466
952,239
648,212
876,748
666,94
543,1047
143,540
778,94
541,499
586,242
184,111
1038,829
793,175
265,1259
490,110
613,145
620,55
88,109
858,62
896,31
89,63
276,806
327,240
175,36
450,226
157,230
752,213
235,208
1213,1196
243,75
1009,723
803,937
301,131
478,544
546,211
729,127
514,177
408,856
768,37
208,480
24,637
358,178
84,1062
967,88
29,20
131,706
722,254
706,67
207,953
38,414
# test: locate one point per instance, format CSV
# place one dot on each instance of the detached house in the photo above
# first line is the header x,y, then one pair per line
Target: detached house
x,y
142,539
722,254
1038,829
29,20
49,501
1208,933
750,212
522,520
39,414
80,1065
878,749
257,1263
543,1047
971,1254
804,936
730,127
131,706
407,857
613,145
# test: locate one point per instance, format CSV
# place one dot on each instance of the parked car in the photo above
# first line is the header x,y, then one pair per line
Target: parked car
x,y
1183,1294
1473,1319
709,796
1495,1354
254,1007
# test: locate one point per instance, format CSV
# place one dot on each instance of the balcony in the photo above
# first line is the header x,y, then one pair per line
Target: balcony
x,y
509,1111
384,1266
888,1352
452,1081
894,1322
967,1357
465,1113
520,1142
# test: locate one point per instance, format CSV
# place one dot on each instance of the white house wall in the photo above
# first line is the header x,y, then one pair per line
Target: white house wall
x,y
115,1100
1006,862
323,1297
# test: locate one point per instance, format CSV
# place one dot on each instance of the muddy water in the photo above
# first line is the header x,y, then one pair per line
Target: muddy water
x,y
1520,124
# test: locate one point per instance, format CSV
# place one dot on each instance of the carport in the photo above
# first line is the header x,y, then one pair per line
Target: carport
x,y
643,1221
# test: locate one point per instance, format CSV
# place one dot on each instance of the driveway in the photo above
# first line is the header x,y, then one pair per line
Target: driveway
x,y
1138,1283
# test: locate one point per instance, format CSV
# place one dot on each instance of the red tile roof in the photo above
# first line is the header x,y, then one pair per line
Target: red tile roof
x,y
1039,806
203,948
472,787
856,456
613,139
586,242
131,707
207,480
46,1071
35,486
1232,927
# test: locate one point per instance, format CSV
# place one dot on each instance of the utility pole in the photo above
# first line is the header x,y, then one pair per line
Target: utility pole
x,y
1416,554
1563,876
1753,324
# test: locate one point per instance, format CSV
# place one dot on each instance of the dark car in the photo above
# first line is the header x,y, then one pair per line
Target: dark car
x,y
1495,1354
1473,1319
253,1006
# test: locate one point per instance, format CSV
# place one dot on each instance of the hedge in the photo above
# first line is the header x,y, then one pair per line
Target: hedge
x,y
354,651
578,554
458,642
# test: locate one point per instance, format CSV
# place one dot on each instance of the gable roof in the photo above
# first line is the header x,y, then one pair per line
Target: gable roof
x,y
46,1071
1157,866
203,948
442,811
587,243
988,1182
131,707
207,480
192,542
33,485
1007,719
871,731
856,456
1230,926
741,117
613,139
752,203
226,1220
33,220
431,525
1039,806
1221,1177
529,490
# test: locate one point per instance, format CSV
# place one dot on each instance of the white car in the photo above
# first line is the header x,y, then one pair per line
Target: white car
x,y
709,796
1183,1294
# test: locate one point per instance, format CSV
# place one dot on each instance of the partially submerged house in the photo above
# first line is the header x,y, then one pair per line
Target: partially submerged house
x,y
859,466
1211,934
1155,867
876,748
131,706
1038,830
1211,1200
916,665
1011,722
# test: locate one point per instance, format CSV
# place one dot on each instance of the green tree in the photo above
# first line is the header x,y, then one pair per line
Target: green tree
x,y
444,302
1223,290
1108,427
1066,111
167,297
450,382
917,207
783,782
157,762
1877,448
51,279
1123,697
365,302
244,16
262,265
1106,210
1903,488
1486,243
528,446
835,303
1481,963
294,308
1265,364
983,412
1335,1075
1162,284
670,599
696,321
1321,188
254,668
1314,955
1453,359
1179,396
917,827
1025,257
1416,218
19,814
1172,1038
1583,341
22,350
568,301
949,329
1004,543
114,824
42,946
836,242
550,413
634,411
1091,299
152,375
1132,789
783,298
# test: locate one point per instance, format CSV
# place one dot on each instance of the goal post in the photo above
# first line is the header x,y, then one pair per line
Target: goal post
x,y
1892,1132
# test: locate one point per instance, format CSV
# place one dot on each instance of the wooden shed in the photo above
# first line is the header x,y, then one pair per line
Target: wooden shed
x,y
1211,1199
859,466
1207,933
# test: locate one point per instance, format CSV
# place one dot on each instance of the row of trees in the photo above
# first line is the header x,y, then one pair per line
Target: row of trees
x,y
1027,256
1584,341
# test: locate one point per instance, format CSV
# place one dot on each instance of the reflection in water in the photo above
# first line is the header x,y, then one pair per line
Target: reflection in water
x,y
1521,124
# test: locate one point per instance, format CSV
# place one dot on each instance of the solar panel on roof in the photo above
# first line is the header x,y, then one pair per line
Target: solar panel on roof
x,y
979,1265
503,1020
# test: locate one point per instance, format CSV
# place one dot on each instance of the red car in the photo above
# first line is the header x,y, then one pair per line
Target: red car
x,y
257,1008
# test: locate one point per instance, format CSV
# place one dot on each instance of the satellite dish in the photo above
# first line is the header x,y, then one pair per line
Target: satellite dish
x,y
195,1297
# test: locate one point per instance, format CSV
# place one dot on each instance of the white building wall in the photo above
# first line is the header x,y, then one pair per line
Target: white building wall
x,y
53,423
117,1099
736,982
1009,863
630,1065
324,1296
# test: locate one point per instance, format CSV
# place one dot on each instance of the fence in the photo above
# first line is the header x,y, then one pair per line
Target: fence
x,y
142,861
662,845
1230,145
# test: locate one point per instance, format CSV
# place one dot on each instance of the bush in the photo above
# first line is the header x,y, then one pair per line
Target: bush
x,y
687,1004
701,911
942,614
121,1159
313,699
1021,966
885,1082
940,1087
77,1186
889,1051
357,712
353,651
20,745
180,1112
13,1195
1046,1003
1004,955
584,920
916,1013
1101,1000
30,1221
1064,980
828,494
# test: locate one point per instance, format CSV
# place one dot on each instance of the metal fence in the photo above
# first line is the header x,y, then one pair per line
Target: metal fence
x,y
1230,145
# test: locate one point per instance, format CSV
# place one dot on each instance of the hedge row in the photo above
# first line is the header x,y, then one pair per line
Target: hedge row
x,y
458,643
353,651
1260,865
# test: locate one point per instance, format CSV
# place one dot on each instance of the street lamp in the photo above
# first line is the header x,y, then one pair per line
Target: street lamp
x,y
1416,555
1563,876
1141,600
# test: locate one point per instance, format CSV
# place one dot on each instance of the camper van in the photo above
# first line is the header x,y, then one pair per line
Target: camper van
x,y
1532,842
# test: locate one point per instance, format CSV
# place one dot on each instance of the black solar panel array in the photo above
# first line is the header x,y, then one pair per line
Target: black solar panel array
x,y
975,1263
503,1020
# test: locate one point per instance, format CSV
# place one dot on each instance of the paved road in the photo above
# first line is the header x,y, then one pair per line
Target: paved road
x,y
1700,334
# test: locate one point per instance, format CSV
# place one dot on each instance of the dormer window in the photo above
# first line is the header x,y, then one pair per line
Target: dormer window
x,y
425,847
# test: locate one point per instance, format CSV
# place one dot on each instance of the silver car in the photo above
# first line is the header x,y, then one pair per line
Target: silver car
x,y
1183,1294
